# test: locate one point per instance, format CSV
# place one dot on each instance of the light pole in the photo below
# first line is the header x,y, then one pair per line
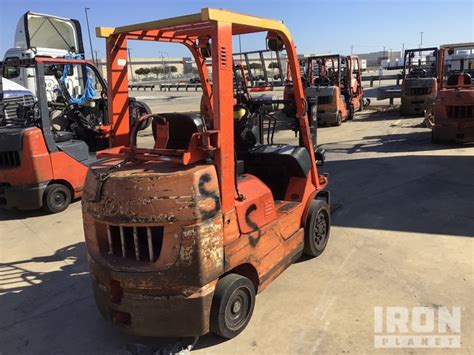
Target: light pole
x,y
421,39
166,71
130,62
89,32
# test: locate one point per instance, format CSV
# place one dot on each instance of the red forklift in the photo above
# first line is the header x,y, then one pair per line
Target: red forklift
x,y
453,112
334,81
47,142
181,237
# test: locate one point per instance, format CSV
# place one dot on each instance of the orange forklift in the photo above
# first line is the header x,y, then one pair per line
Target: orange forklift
x,y
335,81
419,85
48,142
453,111
181,237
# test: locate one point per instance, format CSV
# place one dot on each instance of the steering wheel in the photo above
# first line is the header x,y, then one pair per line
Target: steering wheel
x,y
418,72
103,94
324,80
135,128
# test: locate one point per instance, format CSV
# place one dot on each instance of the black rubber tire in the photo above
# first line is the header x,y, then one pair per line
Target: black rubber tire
x,y
56,198
351,114
140,109
338,119
232,305
361,108
434,139
317,228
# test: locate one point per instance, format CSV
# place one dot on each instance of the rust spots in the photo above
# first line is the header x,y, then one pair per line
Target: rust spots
x,y
208,213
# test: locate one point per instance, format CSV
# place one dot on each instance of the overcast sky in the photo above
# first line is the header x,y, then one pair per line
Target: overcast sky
x,y
316,26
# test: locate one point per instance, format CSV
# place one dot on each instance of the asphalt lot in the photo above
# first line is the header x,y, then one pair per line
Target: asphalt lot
x,y
402,236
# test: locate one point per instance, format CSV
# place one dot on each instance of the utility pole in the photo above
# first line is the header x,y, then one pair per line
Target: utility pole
x,y
403,50
421,39
130,63
166,69
352,49
89,32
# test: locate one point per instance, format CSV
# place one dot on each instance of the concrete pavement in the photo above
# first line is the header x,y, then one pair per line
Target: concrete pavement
x,y
402,236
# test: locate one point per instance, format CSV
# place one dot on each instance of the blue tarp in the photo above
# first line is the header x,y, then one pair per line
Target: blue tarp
x,y
89,91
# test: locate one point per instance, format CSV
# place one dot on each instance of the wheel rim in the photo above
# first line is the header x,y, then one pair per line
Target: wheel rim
x,y
238,308
59,199
320,230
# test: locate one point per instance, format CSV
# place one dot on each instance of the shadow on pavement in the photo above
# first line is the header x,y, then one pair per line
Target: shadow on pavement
x,y
46,312
410,141
14,214
421,194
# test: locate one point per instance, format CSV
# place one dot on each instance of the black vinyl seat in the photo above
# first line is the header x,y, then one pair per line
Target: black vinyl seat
x,y
62,136
276,164
453,79
181,128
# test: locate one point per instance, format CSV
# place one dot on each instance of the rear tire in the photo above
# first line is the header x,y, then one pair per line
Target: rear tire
x,y
317,228
338,119
232,305
56,198
434,138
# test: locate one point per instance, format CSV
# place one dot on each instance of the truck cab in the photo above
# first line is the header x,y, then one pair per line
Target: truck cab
x,y
41,35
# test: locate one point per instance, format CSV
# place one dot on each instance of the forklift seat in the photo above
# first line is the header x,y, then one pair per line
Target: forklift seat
x,y
276,164
181,127
62,136
454,78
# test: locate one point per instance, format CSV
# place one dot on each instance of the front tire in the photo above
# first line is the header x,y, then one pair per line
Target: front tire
x,y
350,117
232,305
317,228
56,198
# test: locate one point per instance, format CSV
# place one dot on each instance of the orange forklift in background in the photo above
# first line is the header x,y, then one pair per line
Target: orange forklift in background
x,y
48,142
181,237
335,81
419,86
453,112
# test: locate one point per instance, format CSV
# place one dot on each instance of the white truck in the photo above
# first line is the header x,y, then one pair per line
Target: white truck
x,y
46,36
41,35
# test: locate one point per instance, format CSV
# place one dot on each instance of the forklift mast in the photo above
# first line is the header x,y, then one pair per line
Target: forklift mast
x,y
213,38
427,59
323,67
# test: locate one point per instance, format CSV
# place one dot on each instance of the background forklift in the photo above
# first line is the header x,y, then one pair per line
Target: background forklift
x,y
335,81
452,115
419,80
47,142
181,237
